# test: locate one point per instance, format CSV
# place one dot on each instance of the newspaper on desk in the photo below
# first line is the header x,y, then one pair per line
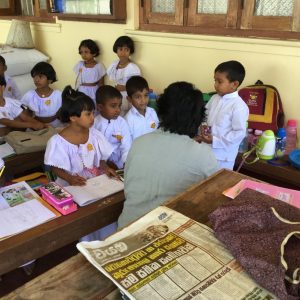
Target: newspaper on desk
x,y
166,255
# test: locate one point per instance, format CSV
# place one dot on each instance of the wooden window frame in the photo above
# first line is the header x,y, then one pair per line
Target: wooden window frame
x,y
41,15
239,21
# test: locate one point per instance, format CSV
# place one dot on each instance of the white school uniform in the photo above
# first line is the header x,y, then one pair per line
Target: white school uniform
x,y
11,109
88,75
139,124
44,107
121,76
80,159
11,89
118,134
227,116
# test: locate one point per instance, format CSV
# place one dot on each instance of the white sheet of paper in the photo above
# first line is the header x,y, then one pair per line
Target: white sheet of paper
x,y
96,188
6,150
22,217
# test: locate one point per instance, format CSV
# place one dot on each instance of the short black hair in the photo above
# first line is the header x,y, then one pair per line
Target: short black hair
x,y
136,84
2,60
106,92
124,41
90,44
44,68
2,81
234,70
73,103
181,109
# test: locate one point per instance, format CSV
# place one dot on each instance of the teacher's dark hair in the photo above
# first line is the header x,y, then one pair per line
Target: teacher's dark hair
x,y
181,109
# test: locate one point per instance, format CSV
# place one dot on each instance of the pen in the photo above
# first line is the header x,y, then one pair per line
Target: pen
x,y
2,170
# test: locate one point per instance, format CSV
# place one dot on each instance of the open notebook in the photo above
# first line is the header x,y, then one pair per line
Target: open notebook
x,y
96,188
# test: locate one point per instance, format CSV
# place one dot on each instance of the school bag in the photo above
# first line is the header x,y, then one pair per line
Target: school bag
x,y
30,141
265,106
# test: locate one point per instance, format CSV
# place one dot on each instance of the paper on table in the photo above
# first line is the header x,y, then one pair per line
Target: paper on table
x,y
287,195
21,208
96,188
6,150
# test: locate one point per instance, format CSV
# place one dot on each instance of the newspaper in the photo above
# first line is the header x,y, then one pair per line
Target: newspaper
x,y
166,255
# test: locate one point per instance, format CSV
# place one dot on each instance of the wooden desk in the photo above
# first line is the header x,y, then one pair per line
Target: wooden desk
x,y
18,164
47,237
197,203
284,176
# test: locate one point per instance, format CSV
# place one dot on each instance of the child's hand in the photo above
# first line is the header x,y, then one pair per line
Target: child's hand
x,y
37,125
207,138
110,172
76,180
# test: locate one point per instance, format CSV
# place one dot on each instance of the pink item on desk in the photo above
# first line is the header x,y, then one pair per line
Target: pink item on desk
x,y
59,198
289,196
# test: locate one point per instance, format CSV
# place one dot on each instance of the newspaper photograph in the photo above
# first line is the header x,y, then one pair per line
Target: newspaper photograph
x,y
166,255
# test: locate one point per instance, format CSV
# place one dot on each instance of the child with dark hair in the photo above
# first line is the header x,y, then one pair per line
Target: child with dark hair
x,y
227,114
11,89
44,102
79,151
113,127
12,115
123,68
141,119
90,74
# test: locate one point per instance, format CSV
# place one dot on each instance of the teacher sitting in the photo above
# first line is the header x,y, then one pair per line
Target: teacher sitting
x,y
167,161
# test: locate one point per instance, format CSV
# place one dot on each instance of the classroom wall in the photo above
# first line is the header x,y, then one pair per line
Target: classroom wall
x,y
165,57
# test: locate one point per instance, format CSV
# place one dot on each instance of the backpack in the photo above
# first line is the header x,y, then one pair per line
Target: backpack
x,y
265,106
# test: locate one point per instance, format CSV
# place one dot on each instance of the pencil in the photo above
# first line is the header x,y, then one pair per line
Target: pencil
x,y
2,170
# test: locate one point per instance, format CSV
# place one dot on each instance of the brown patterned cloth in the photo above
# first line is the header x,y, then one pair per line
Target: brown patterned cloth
x,y
255,233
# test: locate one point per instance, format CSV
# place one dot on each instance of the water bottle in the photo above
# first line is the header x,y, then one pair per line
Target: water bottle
x,y
250,136
291,136
59,5
152,100
280,142
244,144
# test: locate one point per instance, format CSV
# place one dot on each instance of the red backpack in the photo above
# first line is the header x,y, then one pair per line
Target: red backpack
x,y
265,106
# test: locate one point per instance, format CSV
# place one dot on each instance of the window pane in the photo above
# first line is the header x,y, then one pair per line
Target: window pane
x,y
212,7
163,6
90,7
27,7
274,8
4,4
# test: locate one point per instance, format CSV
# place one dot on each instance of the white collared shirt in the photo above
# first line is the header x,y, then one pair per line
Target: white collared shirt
x,y
227,117
139,124
118,135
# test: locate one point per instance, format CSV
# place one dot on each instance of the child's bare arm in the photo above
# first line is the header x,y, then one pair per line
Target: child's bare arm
x,y
71,179
35,123
120,88
110,172
17,123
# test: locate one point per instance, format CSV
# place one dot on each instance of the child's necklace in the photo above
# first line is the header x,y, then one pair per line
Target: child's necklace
x,y
44,94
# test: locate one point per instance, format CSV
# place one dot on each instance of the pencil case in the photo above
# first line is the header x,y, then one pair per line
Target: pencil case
x,y
59,198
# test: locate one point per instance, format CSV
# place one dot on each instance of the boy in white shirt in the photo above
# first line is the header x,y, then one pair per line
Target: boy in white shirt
x,y
11,89
141,119
112,126
227,114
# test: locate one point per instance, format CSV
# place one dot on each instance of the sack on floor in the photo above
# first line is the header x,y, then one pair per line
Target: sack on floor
x,y
265,106
30,141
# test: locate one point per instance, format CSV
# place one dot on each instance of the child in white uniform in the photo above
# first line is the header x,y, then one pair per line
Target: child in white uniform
x,y
227,114
44,102
12,115
11,89
113,127
141,119
123,68
89,73
79,151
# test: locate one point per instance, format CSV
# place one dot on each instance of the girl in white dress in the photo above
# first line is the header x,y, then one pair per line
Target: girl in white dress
x,y
44,102
79,151
123,68
89,73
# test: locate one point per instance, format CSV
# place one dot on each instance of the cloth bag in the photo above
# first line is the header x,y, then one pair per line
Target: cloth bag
x,y
30,141
263,234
